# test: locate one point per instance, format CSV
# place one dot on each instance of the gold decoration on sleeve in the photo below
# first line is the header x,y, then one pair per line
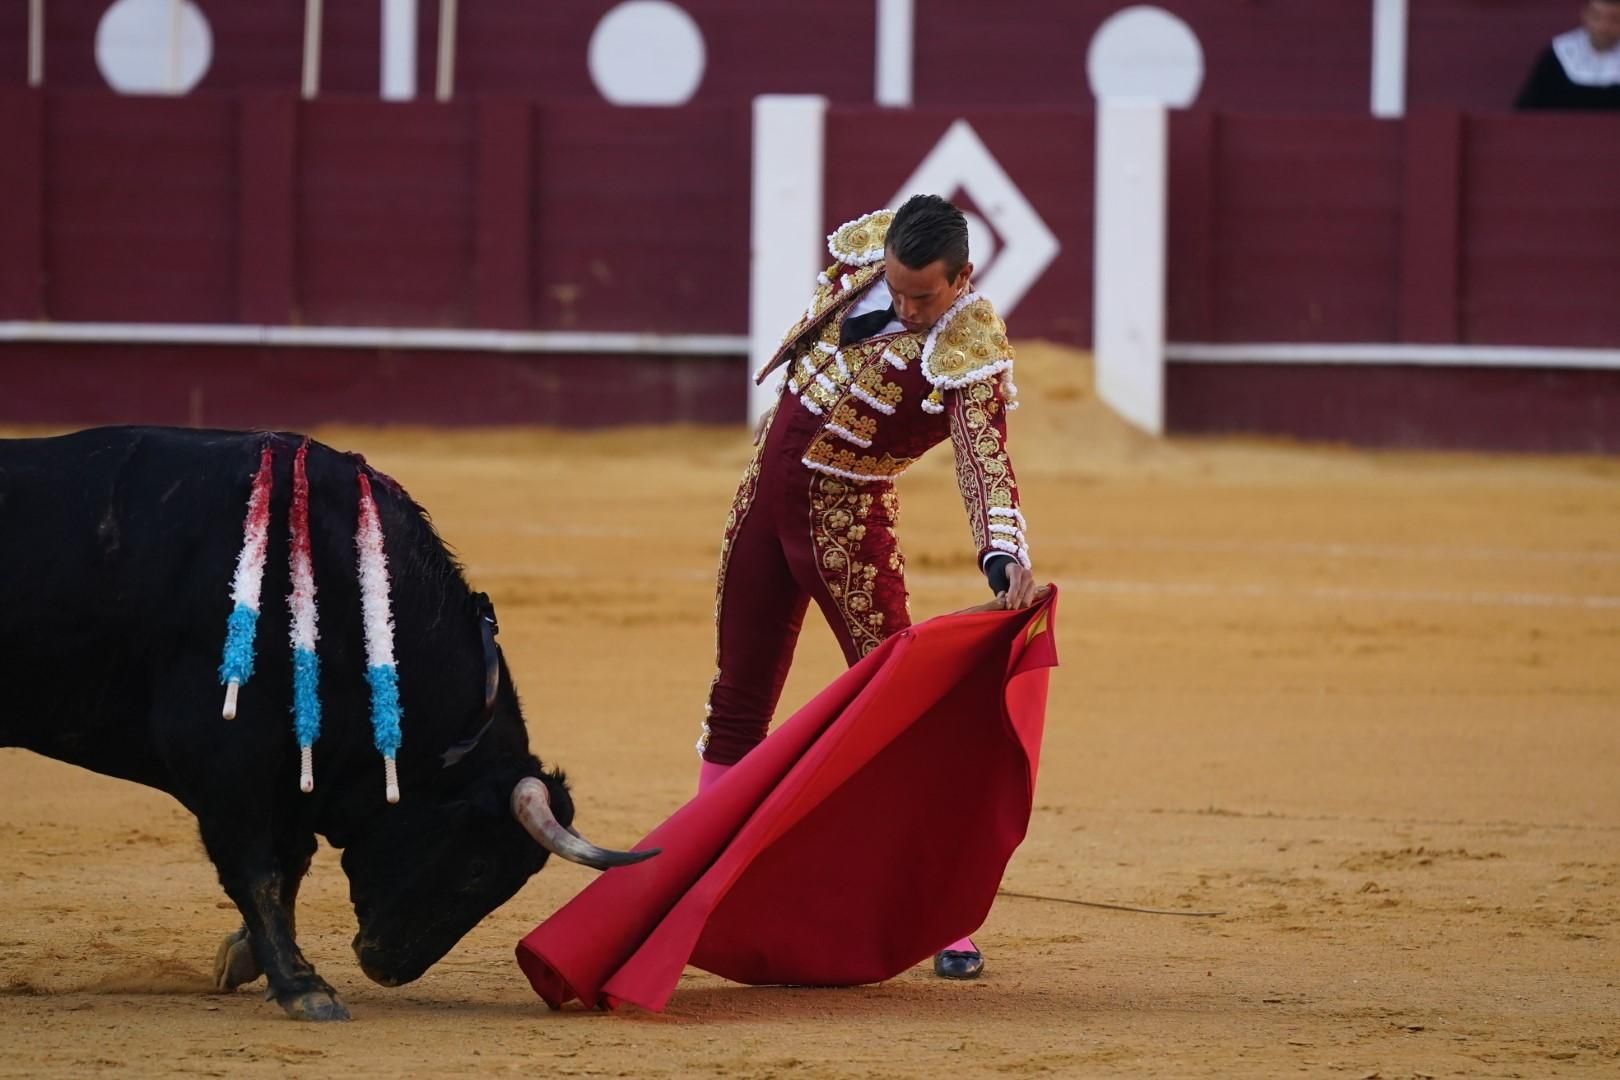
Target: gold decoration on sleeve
x,y
984,472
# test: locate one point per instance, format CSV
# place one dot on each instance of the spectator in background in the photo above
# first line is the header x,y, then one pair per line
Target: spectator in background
x,y
1581,68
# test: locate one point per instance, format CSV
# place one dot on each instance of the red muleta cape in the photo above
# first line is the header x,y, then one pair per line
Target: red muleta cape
x,y
867,832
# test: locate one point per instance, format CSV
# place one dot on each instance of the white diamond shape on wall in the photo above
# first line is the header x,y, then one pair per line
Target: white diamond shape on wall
x,y
961,162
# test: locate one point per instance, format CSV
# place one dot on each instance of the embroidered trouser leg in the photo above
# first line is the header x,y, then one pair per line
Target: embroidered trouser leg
x,y
758,612
799,535
858,577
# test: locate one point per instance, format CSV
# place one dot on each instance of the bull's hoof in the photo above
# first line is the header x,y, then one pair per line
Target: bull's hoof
x,y
315,1005
234,962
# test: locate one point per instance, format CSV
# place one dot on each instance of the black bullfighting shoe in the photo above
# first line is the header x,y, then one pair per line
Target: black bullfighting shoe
x,y
958,964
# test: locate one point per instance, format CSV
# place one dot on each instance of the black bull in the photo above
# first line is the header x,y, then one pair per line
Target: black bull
x,y
117,548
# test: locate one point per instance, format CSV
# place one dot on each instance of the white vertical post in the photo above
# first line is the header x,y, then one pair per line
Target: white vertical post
x,y
398,50
894,52
787,239
1129,259
36,42
446,87
176,43
1389,58
312,48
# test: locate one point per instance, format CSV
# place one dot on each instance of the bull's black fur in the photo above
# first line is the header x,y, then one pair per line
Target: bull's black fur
x,y
117,547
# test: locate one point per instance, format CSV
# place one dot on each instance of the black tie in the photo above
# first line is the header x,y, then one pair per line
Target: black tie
x,y
862,327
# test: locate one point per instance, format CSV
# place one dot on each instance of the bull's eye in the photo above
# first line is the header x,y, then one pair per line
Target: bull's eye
x,y
477,868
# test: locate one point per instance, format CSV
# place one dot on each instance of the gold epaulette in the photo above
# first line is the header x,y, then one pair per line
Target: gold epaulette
x,y
860,242
832,290
857,249
968,345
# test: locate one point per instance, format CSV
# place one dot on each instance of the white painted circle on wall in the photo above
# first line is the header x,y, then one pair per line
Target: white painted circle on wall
x,y
647,52
981,242
153,46
1146,53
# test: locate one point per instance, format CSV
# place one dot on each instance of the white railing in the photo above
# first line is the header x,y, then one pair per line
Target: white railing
x,y
378,337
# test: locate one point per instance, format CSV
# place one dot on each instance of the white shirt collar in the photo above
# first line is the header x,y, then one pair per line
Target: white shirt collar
x,y
1584,65
875,298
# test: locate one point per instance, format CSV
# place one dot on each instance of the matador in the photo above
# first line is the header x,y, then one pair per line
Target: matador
x,y
894,354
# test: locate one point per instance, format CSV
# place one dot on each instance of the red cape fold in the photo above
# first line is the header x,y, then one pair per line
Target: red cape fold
x,y
867,832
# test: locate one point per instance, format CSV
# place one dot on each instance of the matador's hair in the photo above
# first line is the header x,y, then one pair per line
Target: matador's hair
x,y
926,228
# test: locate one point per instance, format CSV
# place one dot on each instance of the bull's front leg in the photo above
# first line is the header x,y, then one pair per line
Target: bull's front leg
x,y
234,962
264,890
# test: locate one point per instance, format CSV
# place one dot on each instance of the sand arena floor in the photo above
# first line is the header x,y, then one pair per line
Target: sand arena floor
x,y
1368,705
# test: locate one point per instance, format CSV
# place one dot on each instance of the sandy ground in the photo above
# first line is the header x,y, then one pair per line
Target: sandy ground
x,y
1366,705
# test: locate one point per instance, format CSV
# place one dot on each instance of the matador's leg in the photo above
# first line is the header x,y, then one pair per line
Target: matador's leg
x,y
759,609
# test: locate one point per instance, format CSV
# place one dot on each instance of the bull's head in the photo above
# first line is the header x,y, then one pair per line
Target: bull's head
x,y
431,868
435,870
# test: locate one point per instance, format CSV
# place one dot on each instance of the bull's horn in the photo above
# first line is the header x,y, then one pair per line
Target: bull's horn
x,y
532,808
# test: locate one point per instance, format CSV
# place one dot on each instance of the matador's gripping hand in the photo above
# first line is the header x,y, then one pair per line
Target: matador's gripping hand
x,y
1012,582
1025,591
1021,591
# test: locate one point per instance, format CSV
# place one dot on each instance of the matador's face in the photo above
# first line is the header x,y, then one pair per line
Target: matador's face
x,y
922,296
1601,20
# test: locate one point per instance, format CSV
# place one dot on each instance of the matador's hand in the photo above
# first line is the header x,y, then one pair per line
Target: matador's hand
x,y
1021,591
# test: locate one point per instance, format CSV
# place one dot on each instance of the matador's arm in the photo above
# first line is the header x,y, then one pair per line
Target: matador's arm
x,y
984,474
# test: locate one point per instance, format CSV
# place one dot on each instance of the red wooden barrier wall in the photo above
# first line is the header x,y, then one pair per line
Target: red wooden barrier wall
x,y
253,387
1283,227
502,214
1491,229
642,218
1259,54
1414,407
1485,229
1475,54
140,208
1443,229
1482,229
1540,230
13,44
258,45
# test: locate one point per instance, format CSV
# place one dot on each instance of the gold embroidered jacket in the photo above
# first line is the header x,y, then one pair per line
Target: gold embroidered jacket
x,y
887,400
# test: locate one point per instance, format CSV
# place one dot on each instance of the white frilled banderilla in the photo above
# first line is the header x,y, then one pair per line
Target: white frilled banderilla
x,y
382,672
